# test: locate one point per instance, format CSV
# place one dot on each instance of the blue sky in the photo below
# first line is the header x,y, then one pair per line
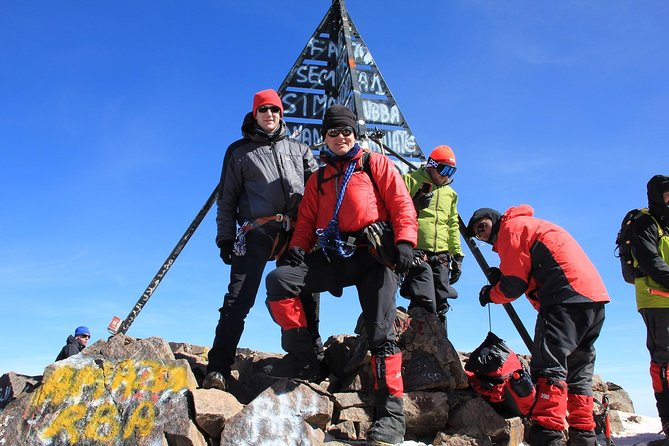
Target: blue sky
x,y
114,118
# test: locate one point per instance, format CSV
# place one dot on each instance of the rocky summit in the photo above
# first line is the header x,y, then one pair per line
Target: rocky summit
x,y
127,391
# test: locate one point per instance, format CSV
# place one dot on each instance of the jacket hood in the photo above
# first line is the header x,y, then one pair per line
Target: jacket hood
x,y
248,124
522,210
492,214
656,187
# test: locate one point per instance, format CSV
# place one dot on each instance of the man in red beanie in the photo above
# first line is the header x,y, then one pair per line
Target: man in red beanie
x,y
541,260
354,192
262,183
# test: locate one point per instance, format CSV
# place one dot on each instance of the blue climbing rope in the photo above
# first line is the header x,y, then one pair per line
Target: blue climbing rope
x,y
329,238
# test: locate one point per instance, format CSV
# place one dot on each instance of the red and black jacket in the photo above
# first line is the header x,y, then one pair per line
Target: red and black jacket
x,y
366,201
542,260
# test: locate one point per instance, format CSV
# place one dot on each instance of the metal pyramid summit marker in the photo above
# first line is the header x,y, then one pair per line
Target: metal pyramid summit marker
x,y
336,66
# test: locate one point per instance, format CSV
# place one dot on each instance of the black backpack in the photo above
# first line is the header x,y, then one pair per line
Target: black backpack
x,y
623,248
495,372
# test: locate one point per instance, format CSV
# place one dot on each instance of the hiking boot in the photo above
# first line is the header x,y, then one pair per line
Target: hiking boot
x,y
541,436
389,426
304,366
578,437
214,380
372,439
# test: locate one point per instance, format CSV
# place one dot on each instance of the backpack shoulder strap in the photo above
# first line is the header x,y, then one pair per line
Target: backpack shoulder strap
x,y
367,168
660,231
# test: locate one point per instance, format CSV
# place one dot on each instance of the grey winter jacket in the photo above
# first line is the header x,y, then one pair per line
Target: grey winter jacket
x,y
261,176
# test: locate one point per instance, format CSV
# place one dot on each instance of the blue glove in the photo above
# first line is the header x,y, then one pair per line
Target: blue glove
x,y
484,295
293,257
404,257
226,251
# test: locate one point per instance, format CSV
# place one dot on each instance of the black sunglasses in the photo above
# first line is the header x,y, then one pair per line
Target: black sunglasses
x,y
345,131
272,108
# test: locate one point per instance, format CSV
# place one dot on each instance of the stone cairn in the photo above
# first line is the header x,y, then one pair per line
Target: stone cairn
x,y
127,391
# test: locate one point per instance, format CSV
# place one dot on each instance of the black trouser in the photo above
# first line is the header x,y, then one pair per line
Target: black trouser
x,y
427,285
375,283
563,362
657,333
657,342
245,275
564,344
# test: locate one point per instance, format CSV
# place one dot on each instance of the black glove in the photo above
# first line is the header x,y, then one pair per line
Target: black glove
x,y
293,257
404,257
456,269
226,251
421,200
484,295
493,274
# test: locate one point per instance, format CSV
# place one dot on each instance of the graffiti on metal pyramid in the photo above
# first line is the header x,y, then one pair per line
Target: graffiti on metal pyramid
x,y
336,66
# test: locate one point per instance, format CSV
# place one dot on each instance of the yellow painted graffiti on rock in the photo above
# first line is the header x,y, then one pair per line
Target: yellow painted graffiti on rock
x,y
104,403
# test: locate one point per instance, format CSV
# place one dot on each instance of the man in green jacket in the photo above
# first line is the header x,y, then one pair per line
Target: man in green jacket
x,y
650,249
438,255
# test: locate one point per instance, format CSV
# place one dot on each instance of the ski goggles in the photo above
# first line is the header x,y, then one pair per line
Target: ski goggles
x,y
443,169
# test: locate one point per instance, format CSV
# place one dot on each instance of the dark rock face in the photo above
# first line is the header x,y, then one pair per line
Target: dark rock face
x,y
12,384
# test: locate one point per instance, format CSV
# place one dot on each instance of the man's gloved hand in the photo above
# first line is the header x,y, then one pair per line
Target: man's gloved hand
x,y
226,251
484,295
493,274
404,257
421,200
293,257
456,269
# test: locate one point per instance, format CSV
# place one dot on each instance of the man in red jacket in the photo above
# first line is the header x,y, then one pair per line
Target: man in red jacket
x,y
353,190
543,261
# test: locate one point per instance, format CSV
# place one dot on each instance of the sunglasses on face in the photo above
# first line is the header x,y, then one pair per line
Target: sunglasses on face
x,y
446,170
345,131
272,108
85,336
480,229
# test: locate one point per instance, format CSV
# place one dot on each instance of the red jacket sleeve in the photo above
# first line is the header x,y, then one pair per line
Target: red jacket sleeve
x,y
515,265
396,198
304,235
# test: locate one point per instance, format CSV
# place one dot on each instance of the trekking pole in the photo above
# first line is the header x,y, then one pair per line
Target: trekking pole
x,y
476,252
118,327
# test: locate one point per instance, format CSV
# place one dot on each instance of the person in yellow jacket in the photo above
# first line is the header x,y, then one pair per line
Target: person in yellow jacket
x,y
438,254
650,249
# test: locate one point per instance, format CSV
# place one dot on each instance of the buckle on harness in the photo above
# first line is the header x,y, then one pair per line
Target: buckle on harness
x,y
279,217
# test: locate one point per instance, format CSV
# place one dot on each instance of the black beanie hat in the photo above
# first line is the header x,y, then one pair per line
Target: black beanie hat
x,y
338,116
479,214
658,185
